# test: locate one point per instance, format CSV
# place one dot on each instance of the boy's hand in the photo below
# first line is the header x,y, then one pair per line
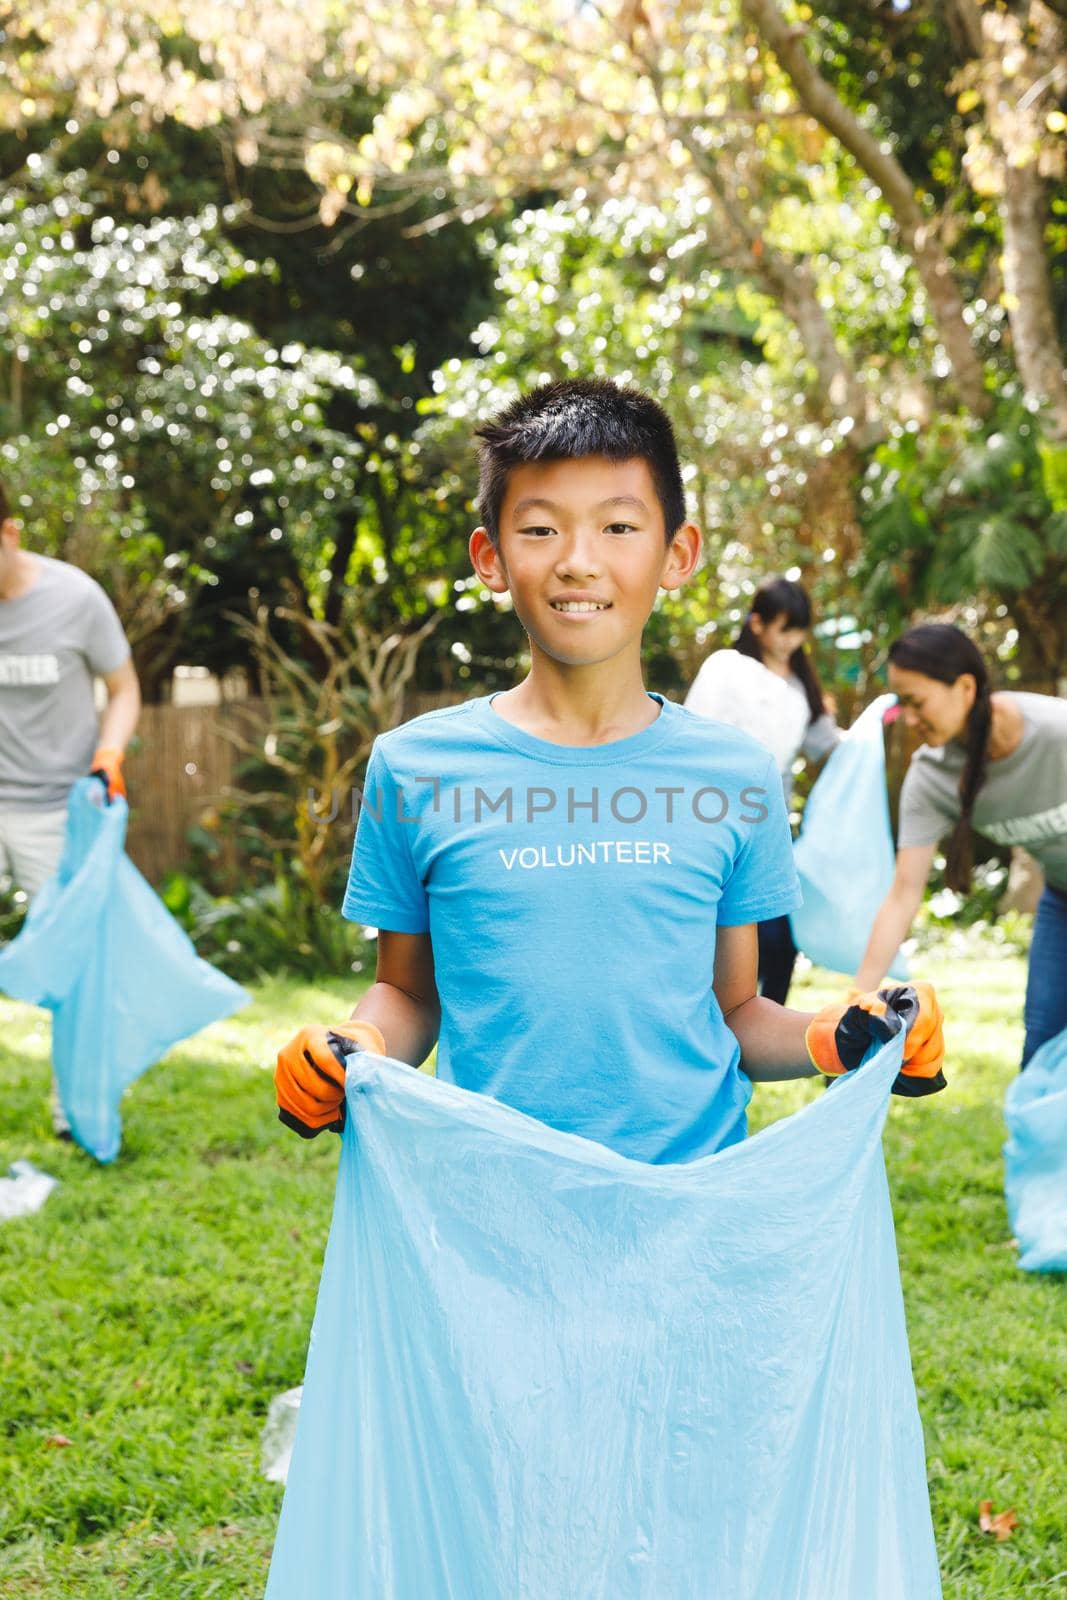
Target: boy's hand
x,y
839,1035
309,1080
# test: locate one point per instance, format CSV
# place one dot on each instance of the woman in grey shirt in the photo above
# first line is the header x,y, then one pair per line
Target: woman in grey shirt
x,y
996,763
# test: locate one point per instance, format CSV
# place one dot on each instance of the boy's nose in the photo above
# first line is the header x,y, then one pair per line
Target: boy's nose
x,y
910,715
578,558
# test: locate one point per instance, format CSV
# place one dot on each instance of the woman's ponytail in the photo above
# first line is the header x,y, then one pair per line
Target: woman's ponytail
x,y
938,650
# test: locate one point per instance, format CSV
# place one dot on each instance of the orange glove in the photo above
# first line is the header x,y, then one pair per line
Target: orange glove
x,y
839,1036
309,1080
107,764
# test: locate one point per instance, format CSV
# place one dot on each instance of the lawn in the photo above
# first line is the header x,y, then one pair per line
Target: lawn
x,y
152,1309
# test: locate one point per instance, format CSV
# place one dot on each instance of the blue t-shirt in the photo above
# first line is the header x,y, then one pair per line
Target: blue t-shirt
x,y
571,895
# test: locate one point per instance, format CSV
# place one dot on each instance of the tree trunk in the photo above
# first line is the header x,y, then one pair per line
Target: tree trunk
x,y
1035,336
791,284
1017,98
932,263
1041,615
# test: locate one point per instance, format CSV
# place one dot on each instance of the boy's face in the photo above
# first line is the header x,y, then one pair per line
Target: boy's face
x,y
583,551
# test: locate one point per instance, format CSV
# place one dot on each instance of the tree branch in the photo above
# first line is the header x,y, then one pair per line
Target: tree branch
x,y
932,263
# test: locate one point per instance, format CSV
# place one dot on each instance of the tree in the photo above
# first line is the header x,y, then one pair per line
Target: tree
x,y
146,435
756,106
386,307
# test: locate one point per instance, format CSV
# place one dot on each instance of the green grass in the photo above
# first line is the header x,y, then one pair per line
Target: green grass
x,y
153,1308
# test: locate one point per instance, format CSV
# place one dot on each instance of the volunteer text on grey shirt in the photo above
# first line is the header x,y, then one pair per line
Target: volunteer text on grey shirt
x,y
1023,799
54,638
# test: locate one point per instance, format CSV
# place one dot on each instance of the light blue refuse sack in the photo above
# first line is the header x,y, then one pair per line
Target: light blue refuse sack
x,y
101,951
844,856
542,1371
1035,1158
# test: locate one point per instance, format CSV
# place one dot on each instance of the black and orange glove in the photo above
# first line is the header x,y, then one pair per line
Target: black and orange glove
x,y
839,1036
107,765
309,1080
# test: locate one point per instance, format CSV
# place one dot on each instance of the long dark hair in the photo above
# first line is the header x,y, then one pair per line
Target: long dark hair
x,y
938,650
781,597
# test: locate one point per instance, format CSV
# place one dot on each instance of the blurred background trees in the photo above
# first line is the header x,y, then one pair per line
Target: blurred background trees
x,y
262,268
295,251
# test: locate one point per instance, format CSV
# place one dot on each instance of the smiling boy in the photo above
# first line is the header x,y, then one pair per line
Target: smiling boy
x,y
567,876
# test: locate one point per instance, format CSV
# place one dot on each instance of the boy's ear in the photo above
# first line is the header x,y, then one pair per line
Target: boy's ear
x,y
486,561
683,554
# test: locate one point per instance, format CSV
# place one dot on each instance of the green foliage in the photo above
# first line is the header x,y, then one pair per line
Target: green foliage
x,y
198,399
281,927
12,911
961,512
633,291
148,435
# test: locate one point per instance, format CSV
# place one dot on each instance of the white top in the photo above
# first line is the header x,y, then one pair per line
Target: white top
x,y
738,689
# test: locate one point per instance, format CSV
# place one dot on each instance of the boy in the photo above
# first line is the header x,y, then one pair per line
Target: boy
x,y
567,877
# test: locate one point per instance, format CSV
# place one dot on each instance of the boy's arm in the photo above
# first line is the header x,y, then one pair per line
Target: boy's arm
x,y
402,1002
771,1037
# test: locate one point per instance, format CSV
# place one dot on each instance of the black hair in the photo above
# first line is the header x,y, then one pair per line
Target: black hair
x,y
938,650
572,419
781,597
5,503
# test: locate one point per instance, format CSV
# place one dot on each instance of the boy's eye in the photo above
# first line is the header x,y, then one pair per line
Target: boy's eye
x,y
621,527
537,532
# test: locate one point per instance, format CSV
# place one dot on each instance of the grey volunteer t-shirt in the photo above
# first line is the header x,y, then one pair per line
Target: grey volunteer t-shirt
x,y
1023,799
54,638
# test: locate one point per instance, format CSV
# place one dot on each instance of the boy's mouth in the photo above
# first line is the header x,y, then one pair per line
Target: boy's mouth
x,y
579,607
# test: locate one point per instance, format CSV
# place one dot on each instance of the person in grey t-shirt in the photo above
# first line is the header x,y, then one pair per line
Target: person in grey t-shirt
x,y
996,763
58,631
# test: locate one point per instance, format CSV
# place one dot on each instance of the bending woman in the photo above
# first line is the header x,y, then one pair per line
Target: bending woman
x,y
996,763
767,686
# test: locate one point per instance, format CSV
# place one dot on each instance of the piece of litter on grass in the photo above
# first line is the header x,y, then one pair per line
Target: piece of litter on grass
x,y
25,1191
279,1431
58,1441
1002,1525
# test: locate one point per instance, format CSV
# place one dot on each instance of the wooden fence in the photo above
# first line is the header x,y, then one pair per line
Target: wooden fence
x,y
183,765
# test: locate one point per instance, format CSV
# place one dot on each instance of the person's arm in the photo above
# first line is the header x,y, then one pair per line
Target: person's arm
x,y
771,1036
896,913
402,1002
123,707
821,738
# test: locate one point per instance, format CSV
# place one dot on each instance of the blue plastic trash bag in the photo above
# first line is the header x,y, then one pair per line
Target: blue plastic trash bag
x,y
1035,1158
844,856
122,980
542,1371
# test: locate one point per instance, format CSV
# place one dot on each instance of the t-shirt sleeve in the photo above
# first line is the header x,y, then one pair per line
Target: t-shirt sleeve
x,y
926,814
384,886
106,646
763,882
822,736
